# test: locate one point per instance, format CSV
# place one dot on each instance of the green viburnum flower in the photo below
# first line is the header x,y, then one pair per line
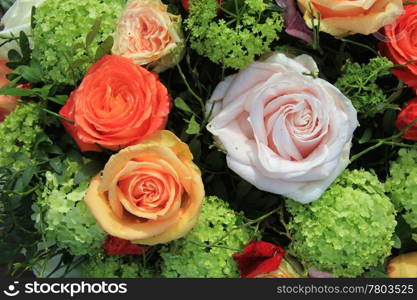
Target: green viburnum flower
x,y
19,133
402,185
236,40
65,42
192,256
61,215
116,266
358,82
348,229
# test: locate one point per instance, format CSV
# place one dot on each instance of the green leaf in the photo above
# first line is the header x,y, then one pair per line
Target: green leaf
x,y
414,236
93,33
24,45
27,175
195,147
397,241
13,55
56,164
59,99
87,171
193,127
78,63
180,104
367,135
104,48
32,17
17,92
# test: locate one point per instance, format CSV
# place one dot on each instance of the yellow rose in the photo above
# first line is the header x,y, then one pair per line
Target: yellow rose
x,y
149,193
403,266
341,18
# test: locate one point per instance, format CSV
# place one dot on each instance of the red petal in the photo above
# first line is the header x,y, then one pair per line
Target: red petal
x,y
116,246
258,257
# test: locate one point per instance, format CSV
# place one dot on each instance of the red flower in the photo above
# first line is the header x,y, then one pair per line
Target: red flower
x,y
401,45
407,115
115,246
258,257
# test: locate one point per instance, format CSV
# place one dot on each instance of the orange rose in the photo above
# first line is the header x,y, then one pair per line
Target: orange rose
x,y
148,193
7,103
401,45
341,18
118,104
149,35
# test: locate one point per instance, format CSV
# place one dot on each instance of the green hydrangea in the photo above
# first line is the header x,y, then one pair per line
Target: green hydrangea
x,y
348,229
115,266
192,256
359,83
235,40
60,35
61,215
402,185
19,133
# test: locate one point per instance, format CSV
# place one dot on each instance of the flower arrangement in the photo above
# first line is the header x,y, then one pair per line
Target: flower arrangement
x,y
208,139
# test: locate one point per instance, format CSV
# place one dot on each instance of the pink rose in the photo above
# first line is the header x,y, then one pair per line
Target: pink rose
x,y
284,130
7,103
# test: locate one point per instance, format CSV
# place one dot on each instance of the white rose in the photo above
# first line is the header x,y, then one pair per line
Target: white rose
x,y
284,131
16,19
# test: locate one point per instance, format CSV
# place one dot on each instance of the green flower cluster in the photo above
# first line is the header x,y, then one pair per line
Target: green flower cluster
x,y
207,250
115,266
236,40
348,229
19,133
359,83
402,185
61,215
69,32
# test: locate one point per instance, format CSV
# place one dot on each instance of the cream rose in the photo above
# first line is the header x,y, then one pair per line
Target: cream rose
x,y
16,19
341,18
149,35
284,131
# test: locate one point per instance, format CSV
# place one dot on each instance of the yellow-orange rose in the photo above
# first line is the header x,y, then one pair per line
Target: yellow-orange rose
x,y
149,35
341,18
148,193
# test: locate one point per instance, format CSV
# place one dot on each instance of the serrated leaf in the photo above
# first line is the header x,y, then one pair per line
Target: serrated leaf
x,y
193,127
182,105
93,33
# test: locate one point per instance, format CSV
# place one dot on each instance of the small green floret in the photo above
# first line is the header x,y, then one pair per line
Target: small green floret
x,y
359,83
19,133
60,37
402,185
193,257
237,38
118,266
61,215
348,229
